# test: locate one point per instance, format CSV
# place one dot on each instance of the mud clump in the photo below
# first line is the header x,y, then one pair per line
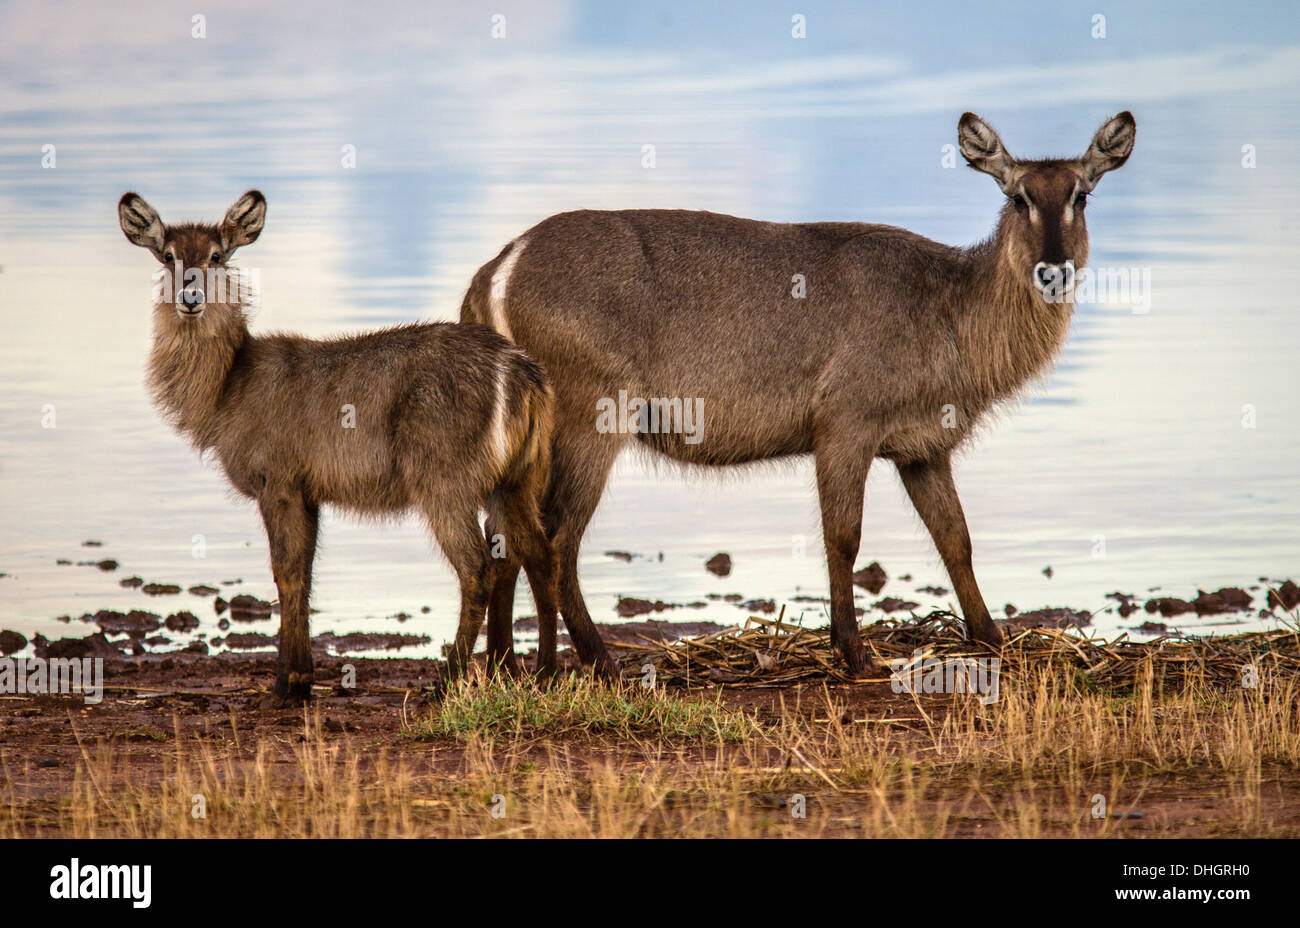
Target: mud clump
x,y
624,556
629,606
1169,606
893,604
367,641
131,583
1153,628
96,645
11,642
719,565
1049,618
202,589
1227,599
759,605
181,622
247,608
933,590
160,589
871,578
136,623
1287,596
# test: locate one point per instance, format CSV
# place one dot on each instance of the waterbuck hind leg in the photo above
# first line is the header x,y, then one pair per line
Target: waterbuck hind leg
x,y
503,574
578,475
525,534
292,523
841,489
455,526
931,488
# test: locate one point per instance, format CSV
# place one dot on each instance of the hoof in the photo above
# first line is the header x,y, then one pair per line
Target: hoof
x,y
293,689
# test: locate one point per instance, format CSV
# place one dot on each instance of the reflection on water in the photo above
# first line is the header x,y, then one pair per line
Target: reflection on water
x,y
1128,468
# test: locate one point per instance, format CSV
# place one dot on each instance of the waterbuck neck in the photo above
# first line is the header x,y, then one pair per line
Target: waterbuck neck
x,y
1006,332
190,363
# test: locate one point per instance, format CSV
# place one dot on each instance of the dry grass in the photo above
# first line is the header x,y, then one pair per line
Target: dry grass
x,y
502,759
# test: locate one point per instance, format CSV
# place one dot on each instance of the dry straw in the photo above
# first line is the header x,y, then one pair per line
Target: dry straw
x,y
772,652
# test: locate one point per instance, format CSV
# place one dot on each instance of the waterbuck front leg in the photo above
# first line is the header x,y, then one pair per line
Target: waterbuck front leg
x,y
455,526
292,522
934,494
841,488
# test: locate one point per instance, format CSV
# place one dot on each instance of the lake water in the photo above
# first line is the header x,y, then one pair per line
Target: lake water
x,y
1161,452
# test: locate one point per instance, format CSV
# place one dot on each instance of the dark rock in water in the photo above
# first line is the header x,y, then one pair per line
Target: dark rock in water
x,y
224,624
95,645
131,583
713,596
202,589
1287,596
63,562
160,589
732,598
246,641
136,622
156,641
759,605
636,632
893,604
1127,609
629,606
367,641
719,565
871,578
1168,606
1009,610
1153,627
244,607
1049,618
11,642
933,590
92,543
196,647
181,621
219,605
1227,599
625,556
1047,571
425,610
107,565
802,598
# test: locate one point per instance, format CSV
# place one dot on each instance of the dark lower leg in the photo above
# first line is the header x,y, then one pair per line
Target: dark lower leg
x,y
840,491
934,494
291,528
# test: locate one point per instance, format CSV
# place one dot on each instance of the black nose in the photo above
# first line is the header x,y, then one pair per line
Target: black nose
x,y
1054,275
192,298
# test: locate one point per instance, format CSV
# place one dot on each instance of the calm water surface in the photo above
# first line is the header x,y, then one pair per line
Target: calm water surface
x,y
1133,449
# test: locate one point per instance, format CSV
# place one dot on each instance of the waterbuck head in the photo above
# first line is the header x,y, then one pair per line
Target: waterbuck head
x,y
1043,230
195,256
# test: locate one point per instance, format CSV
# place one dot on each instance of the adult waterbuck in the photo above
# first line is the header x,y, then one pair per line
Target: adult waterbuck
x,y
897,347
444,419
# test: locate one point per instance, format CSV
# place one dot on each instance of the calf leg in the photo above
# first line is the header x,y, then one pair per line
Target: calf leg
x,y
501,599
934,494
292,523
455,526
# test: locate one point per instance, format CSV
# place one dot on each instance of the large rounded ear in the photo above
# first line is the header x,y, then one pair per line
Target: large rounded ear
x,y
983,150
243,222
1110,147
140,223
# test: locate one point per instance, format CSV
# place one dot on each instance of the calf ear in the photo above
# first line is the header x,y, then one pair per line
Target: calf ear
x,y
1110,147
140,223
243,222
983,150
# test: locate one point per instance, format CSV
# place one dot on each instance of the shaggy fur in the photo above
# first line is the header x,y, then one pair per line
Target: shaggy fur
x,y
443,419
896,349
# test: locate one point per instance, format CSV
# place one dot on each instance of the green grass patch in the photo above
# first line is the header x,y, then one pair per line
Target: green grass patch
x,y
502,707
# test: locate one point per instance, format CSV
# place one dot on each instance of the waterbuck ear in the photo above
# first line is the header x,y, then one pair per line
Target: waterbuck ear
x,y
243,222
1110,147
983,150
140,223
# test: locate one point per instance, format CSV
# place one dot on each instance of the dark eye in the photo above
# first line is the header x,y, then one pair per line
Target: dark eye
x,y
216,257
1020,202
169,257
1081,201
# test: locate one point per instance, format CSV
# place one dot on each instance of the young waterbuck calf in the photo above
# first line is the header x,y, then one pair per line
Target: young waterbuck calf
x,y
444,419
845,340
